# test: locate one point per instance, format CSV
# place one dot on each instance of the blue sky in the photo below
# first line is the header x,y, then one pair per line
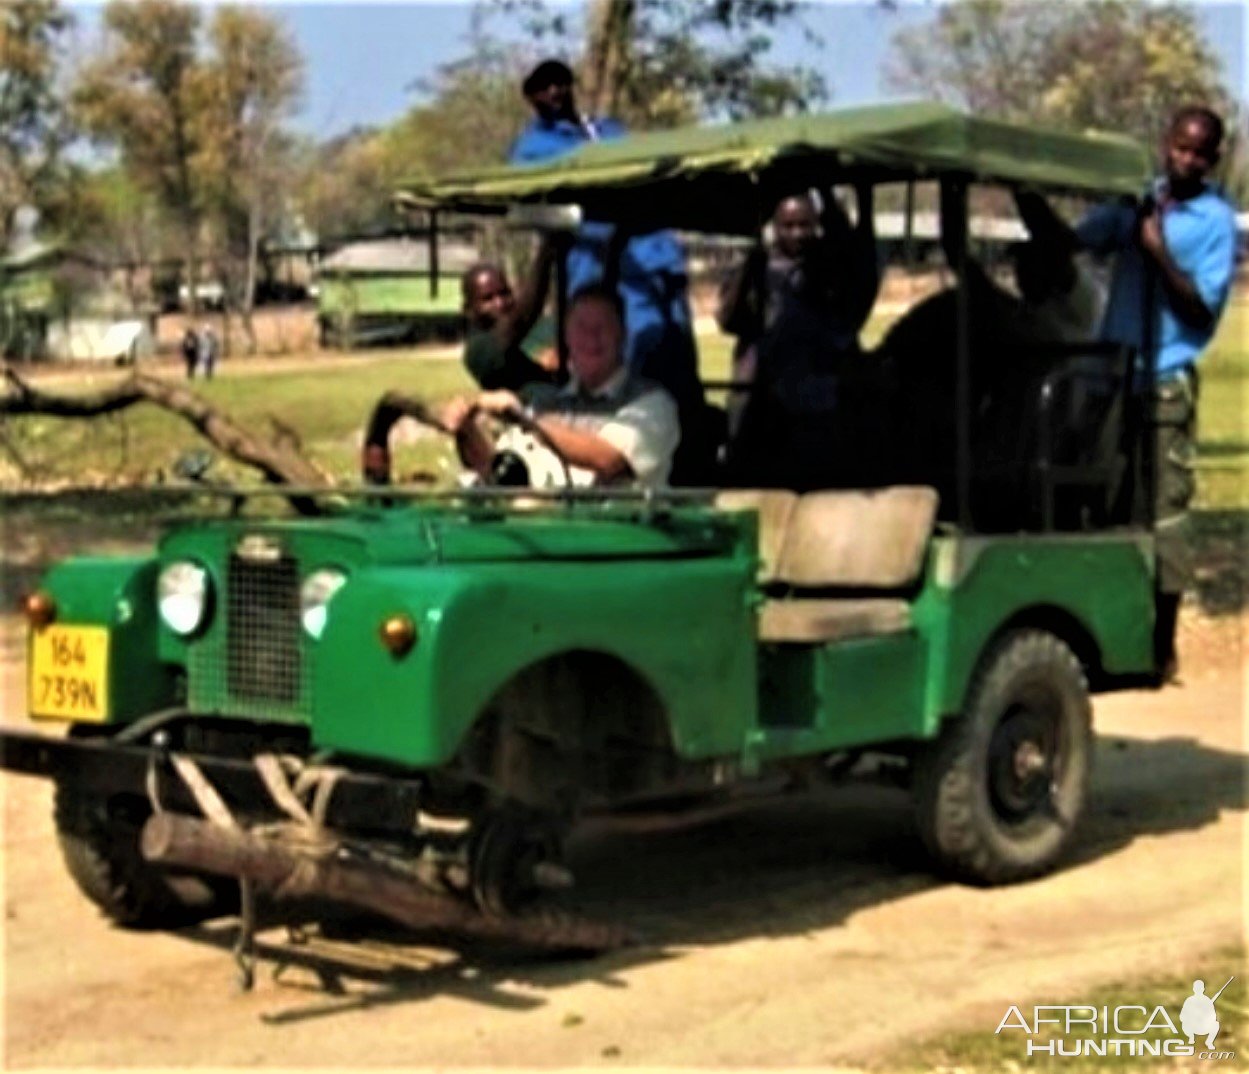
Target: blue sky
x,y
362,59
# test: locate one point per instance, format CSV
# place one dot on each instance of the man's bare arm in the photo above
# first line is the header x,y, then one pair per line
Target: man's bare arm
x,y
1187,303
1043,223
532,297
585,449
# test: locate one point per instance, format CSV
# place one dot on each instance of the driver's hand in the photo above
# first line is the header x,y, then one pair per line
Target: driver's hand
x,y
456,413
500,402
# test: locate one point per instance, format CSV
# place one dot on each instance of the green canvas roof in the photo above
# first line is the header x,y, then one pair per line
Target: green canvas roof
x,y
718,178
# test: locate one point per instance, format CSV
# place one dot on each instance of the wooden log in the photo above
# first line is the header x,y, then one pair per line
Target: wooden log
x,y
288,871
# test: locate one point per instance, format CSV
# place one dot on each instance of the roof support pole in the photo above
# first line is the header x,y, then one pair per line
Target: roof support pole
x,y
433,253
1145,375
908,228
561,311
954,239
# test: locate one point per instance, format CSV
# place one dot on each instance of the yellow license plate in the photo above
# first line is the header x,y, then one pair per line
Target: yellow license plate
x,y
69,673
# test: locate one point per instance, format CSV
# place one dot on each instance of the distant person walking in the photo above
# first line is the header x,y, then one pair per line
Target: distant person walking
x,y
209,349
190,351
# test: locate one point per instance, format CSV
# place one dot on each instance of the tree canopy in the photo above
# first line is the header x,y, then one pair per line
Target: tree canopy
x,y
34,125
1121,65
658,63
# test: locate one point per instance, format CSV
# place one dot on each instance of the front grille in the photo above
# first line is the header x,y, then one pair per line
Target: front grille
x,y
262,630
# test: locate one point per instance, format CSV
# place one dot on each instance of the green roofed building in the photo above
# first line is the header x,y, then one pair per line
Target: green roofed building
x,y
389,291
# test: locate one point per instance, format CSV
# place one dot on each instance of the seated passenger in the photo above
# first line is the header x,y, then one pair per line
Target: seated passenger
x,y
1058,302
608,424
1058,299
499,321
818,270
796,310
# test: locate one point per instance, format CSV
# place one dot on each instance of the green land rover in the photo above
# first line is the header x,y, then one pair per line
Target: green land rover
x,y
405,703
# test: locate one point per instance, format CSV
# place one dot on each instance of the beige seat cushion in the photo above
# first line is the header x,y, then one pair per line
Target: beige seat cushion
x,y
809,620
775,508
871,539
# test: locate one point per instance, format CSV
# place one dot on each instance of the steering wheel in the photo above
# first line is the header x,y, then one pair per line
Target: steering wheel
x,y
525,455
514,466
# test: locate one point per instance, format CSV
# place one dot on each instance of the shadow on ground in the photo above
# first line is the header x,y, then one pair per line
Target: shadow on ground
x,y
1221,560
775,868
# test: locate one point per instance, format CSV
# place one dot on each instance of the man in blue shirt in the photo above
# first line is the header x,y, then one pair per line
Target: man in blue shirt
x,y
1184,236
651,276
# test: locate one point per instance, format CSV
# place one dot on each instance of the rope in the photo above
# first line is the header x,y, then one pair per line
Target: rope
x,y
204,793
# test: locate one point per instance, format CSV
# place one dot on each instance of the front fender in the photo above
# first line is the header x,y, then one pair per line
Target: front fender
x,y
685,626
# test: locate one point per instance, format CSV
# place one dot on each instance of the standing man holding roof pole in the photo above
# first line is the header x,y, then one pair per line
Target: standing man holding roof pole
x,y
1176,258
651,276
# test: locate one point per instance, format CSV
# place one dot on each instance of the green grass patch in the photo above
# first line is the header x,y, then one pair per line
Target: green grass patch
x,y
1223,415
328,407
985,1050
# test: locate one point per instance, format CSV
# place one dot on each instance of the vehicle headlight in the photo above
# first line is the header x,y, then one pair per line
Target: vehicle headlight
x,y
182,593
314,598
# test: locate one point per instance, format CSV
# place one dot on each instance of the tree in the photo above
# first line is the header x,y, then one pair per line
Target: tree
x,y
248,85
34,127
1119,65
480,94
665,62
141,93
470,112
344,185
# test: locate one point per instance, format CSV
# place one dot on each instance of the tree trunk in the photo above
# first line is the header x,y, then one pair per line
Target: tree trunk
x,y
190,229
608,55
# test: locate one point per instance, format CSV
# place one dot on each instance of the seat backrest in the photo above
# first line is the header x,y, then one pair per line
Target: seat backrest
x,y
872,539
775,508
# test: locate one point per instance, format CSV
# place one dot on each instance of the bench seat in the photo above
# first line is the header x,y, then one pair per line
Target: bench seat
x,y
853,539
812,620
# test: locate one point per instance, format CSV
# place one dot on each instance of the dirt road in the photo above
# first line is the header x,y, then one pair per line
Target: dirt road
x,y
793,933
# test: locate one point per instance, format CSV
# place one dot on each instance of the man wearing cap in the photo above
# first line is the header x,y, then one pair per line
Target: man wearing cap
x,y
652,278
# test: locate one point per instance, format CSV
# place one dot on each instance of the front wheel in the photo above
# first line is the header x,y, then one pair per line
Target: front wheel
x,y
1000,791
99,837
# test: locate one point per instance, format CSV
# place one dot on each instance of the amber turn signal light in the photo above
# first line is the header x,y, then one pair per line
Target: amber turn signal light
x,y
398,634
39,609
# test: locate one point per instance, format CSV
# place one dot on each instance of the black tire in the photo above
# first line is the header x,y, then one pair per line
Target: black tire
x,y
99,839
506,844
998,795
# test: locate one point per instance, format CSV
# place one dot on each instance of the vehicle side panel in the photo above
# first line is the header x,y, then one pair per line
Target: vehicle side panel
x,y
854,692
685,626
976,586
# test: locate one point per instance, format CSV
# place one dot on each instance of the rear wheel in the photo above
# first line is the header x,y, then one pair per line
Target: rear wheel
x,y
99,837
1000,791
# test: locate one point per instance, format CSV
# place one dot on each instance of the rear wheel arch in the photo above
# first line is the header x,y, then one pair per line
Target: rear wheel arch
x,y
1062,624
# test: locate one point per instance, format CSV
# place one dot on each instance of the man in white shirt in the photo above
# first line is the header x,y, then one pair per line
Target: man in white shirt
x,y
609,425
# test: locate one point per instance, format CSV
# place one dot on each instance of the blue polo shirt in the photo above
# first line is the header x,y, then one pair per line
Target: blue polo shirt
x,y
653,276
1201,236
